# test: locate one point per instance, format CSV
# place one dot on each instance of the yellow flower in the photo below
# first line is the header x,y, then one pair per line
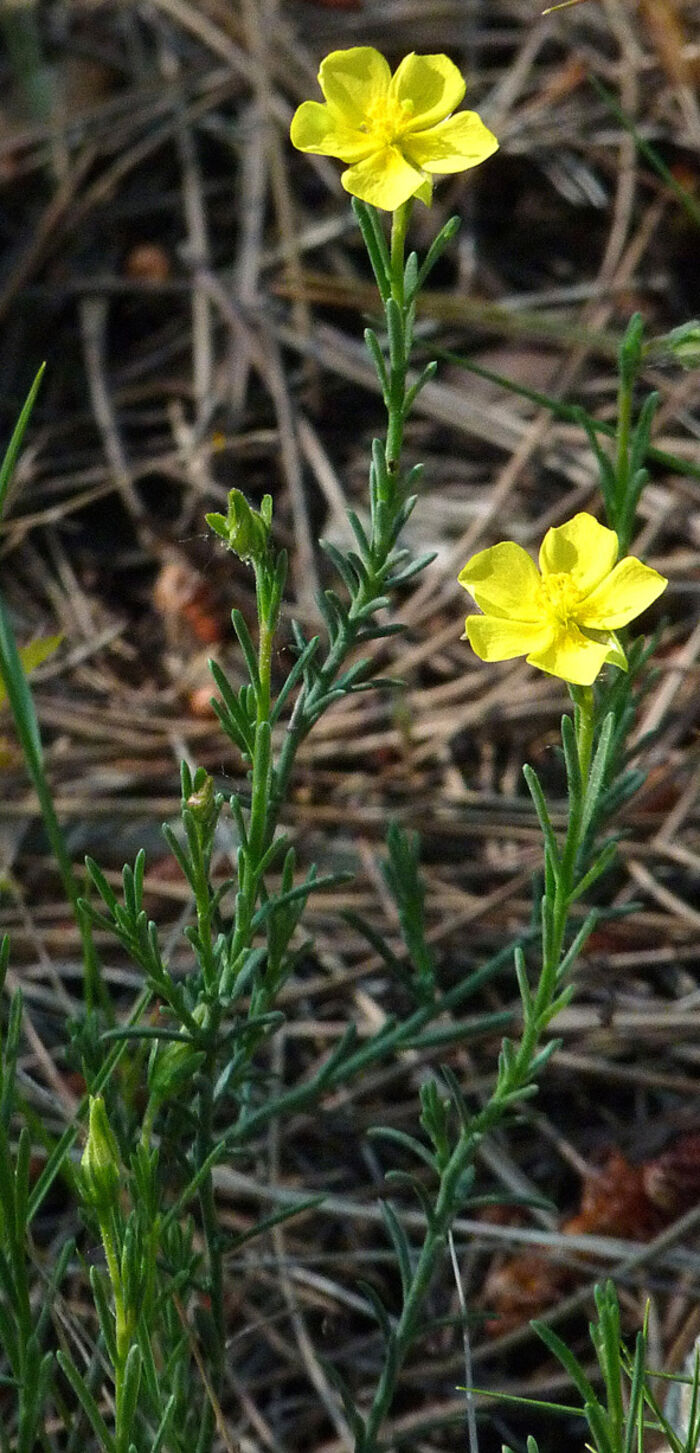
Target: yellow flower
x,y
394,131
33,655
564,619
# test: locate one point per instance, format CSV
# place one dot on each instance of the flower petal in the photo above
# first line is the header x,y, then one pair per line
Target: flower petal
x,y
460,142
351,80
430,84
495,639
622,595
616,655
582,548
504,582
572,656
385,179
316,128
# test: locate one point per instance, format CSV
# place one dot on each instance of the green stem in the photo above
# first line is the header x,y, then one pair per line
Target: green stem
x,y
584,730
399,227
212,1239
260,828
122,1334
399,351
622,446
512,1080
22,707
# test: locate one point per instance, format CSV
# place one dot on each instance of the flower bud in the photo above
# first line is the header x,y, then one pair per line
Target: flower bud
x,y
101,1161
202,802
244,529
173,1063
681,345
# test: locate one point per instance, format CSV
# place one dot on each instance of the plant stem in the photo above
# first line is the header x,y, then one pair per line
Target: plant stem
x,y
122,1334
400,348
22,706
514,1077
212,1238
622,442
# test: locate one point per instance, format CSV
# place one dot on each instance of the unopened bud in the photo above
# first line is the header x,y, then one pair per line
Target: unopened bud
x,y
101,1161
244,529
171,1064
201,802
681,345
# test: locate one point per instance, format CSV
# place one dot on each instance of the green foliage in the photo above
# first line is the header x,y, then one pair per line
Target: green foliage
x,y
195,1092
627,1410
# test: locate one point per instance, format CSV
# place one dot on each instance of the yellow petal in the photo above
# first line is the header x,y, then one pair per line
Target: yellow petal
x,y
615,654
572,656
352,80
495,639
384,179
38,651
316,128
430,84
624,594
460,142
504,582
33,655
582,548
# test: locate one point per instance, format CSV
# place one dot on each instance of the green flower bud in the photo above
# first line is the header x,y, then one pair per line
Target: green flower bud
x,y
202,804
681,345
244,529
174,1062
101,1161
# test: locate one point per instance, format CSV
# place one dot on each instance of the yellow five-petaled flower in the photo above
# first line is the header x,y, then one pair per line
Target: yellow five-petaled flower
x,y
562,617
395,132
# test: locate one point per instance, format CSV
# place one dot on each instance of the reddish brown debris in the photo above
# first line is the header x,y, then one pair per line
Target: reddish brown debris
x,y
619,1199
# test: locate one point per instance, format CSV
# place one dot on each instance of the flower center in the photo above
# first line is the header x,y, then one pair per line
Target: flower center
x,y
387,118
559,597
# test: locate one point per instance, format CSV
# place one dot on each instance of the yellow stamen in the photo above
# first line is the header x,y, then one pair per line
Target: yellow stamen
x,y
387,119
560,597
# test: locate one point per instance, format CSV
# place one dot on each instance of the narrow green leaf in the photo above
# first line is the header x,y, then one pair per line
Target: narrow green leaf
x,y
376,1306
375,242
427,374
573,771
298,670
434,253
87,1402
247,647
568,1361
101,1294
605,860
15,444
373,348
130,1389
596,777
540,805
164,1425
407,1142
399,1241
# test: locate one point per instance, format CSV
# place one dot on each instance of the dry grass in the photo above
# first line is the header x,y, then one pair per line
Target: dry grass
x,y
198,293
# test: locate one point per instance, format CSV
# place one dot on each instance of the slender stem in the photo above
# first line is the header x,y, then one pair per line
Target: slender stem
x,y
512,1080
584,736
472,1432
212,1238
622,449
22,707
400,346
122,1334
399,227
